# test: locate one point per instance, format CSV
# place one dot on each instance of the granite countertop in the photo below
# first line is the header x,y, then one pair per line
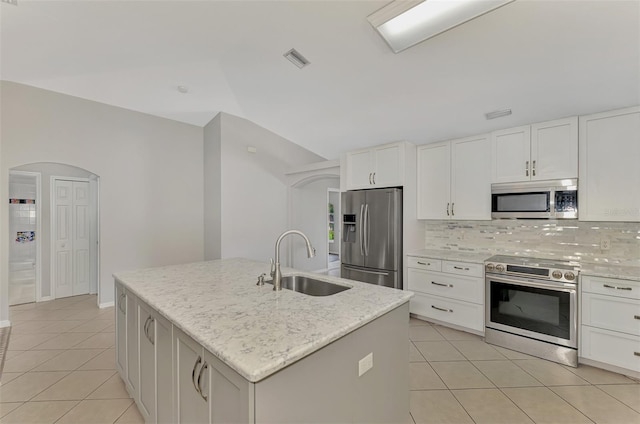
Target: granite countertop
x,y
253,329
611,271
452,255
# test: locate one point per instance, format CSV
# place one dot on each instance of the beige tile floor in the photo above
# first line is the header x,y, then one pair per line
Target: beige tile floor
x,y
457,378
60,368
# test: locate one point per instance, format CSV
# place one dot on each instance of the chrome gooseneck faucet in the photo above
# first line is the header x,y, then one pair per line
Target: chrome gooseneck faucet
x,y
275,266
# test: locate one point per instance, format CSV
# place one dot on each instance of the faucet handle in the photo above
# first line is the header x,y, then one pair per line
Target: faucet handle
x,y
273,267
261,279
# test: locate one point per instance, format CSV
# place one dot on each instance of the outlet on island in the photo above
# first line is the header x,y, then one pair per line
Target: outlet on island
x,y
365,364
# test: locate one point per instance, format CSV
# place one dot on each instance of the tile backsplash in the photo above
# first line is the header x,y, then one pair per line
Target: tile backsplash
x,y
562,239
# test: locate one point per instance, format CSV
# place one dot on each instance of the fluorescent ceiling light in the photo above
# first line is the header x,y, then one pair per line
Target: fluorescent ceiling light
x,y
296,58
404,23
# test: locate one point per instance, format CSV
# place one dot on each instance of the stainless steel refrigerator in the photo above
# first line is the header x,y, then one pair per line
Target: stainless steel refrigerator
x,y
372,236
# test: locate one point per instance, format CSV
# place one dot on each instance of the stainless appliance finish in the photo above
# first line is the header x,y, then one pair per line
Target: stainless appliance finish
x,y
531,307
535,199
372,236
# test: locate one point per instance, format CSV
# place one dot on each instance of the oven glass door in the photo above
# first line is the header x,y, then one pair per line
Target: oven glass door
x,y
533,310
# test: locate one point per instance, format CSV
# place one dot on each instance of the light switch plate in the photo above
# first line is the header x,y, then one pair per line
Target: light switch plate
x,y
365,364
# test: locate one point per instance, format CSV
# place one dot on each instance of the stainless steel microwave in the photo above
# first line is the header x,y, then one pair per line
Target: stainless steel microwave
x,y
535,200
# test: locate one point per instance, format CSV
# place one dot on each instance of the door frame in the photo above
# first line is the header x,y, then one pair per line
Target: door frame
x,y
38,176
94,236
337,223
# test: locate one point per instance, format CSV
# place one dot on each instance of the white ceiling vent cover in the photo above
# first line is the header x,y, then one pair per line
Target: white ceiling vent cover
x,y
296,58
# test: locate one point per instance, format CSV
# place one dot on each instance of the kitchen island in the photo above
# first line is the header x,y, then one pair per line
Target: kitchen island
x,y
202,342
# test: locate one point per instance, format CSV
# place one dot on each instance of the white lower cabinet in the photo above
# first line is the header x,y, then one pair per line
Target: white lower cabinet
x,y
155,399
610,327
132,379
447,291
192,405
121,326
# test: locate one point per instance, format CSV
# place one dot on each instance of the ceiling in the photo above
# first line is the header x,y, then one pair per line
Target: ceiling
x,y
543,59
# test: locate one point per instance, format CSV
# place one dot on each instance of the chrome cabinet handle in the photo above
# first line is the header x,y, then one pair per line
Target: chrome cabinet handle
x,y
204,366
440,284
616,287
374,178
460,268
636,316
193,373
370,174
447,209
122,297
424,263
636,353
150,321
146,327
452,213
526,169
442,309
533,170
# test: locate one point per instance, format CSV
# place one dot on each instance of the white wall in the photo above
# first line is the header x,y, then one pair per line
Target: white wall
x,y
150,168
253,186
212,189
309,213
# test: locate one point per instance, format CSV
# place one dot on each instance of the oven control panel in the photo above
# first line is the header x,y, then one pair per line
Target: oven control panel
x,y
560,273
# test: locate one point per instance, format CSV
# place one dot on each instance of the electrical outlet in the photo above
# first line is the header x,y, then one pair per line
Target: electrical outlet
x,y
605,243
365,364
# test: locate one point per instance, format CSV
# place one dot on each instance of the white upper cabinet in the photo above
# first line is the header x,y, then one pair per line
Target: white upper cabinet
x,y
381,166
454,179
543,151
610,166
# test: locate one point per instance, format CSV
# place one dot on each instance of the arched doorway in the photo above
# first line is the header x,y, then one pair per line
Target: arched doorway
x,y
66,235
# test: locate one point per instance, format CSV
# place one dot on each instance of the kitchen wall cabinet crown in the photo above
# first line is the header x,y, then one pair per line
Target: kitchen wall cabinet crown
x,y
377,167
542,151
609,174
454,179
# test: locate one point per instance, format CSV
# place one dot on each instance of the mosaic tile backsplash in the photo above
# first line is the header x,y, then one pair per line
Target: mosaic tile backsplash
x,y
570,240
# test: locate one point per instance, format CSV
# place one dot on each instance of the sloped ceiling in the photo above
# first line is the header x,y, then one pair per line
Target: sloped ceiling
x,y
543,59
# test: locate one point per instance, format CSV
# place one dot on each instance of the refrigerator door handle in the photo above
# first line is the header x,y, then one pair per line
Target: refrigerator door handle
x,y
367,233
361,235
365,271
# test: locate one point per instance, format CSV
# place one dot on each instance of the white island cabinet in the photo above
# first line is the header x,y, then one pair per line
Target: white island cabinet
x,y
212,347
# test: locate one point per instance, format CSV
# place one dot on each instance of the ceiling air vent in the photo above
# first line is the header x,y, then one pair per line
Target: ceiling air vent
x,y
296,58
498,113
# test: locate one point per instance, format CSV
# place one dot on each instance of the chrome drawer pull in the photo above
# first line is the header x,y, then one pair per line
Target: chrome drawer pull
x,y
424,263
461,268
617,288
440,284
442,309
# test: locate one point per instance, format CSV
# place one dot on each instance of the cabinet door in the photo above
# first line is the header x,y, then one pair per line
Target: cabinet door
x,y
121,329
609,166
164,367
434,181
147,389
510,153
554,149
359,169
191,404
231,399
387,167
132,345
471,178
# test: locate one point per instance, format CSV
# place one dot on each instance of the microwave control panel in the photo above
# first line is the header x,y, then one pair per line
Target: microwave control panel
x,y
566,201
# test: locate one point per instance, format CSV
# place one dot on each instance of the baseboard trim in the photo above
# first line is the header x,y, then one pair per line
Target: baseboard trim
x,y
5,323
45,299
106,304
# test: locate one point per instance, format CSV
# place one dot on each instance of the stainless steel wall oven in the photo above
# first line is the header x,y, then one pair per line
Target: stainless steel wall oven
x,y
531,307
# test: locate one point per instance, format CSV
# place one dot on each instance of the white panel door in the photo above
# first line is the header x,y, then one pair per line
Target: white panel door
x,y
81,238
554,149
511,151
471,178
63,238
434,181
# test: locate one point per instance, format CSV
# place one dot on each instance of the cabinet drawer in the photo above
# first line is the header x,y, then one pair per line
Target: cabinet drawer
x,y
468,289
424,263
621,350
611,313
611,286
463,268
464,314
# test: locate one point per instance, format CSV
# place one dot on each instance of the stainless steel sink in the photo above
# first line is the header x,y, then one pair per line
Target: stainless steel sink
x,y
310,286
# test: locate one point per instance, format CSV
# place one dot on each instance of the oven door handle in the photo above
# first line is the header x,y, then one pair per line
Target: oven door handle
x,y
565,287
